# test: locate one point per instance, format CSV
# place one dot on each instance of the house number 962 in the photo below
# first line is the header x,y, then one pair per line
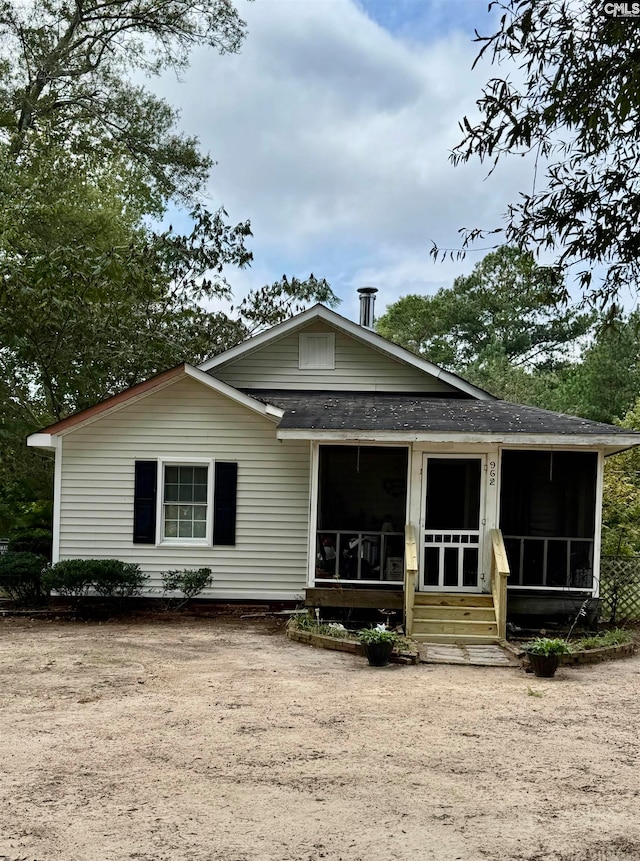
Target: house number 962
x,y
492,472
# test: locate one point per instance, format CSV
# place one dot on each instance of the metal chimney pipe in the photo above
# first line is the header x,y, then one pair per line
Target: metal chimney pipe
x,y
367,301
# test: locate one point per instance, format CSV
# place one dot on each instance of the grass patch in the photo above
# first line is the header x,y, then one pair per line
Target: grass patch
x,y
615,637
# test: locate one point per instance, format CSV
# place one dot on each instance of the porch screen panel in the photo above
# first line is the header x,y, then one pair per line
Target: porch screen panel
x,y
453,493
547,516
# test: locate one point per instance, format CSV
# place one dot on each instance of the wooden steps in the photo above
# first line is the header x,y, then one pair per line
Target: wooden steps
x,y
447,617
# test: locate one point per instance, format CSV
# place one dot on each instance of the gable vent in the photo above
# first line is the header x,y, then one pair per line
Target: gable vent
x,y
317,350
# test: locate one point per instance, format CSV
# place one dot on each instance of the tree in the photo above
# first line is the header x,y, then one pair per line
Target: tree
x,y
495,326
65,81
571,103
604,384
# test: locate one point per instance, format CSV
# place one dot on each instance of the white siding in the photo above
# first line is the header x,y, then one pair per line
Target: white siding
x,y
188,420
358,367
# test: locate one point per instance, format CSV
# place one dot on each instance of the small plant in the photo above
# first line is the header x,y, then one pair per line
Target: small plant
x,y
190,582
21,578
532,693
379,634
306,622
548,646
615,637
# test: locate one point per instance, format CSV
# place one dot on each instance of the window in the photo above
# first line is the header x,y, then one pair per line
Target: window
x,y
317,350
184,509
192,503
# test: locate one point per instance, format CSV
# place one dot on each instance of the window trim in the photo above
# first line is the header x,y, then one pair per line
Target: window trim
x,y
304,338
161,539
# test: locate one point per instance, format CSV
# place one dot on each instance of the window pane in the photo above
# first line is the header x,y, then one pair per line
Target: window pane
x,y
451,566
200,475
431,565
171,493
200,493
171,474
199,529
184,529
200,512
171,529
186,493
171,512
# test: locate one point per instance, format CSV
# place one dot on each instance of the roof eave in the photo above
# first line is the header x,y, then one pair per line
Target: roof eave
x,y
612,443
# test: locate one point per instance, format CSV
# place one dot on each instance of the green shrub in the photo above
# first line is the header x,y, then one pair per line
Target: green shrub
x,y
32,541
190,582
614,637
548,646
115,579
109,578
21,578
70,578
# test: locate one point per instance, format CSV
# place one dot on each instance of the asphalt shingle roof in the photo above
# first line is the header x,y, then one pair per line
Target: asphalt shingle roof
x,y
411,412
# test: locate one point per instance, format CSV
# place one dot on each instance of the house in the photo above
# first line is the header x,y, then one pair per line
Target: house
x,y
319,461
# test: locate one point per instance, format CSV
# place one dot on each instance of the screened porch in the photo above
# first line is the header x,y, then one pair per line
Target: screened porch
x,y
361,515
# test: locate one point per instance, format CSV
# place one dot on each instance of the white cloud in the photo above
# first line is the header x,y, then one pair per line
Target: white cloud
x,y
333,137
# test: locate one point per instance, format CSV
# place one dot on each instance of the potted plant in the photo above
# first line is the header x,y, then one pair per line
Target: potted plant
x,y
378,644
544,655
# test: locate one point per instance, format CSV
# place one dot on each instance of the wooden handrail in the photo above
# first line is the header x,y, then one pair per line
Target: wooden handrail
x,y
410,573
499,572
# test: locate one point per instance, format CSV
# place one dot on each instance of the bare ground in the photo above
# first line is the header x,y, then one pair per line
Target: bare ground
x,y
194,739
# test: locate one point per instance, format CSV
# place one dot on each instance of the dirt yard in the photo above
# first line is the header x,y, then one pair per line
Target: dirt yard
x,y
196,739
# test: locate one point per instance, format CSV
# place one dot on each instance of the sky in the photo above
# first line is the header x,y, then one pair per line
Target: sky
x,y
331,132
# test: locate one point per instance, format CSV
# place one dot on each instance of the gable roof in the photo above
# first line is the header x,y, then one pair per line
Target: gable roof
x,y
366,336
44,437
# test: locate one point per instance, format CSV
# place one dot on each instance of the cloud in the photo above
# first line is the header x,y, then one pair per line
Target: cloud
x,y
332,135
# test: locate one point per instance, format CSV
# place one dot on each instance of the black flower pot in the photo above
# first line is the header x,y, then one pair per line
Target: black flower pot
x,y
544,666
378,654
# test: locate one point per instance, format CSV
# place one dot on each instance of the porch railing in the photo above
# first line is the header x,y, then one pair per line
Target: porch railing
x,y
499,573
410,574
362,557
539,562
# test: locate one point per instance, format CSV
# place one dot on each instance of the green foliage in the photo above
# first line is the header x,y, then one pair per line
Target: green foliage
x,y
548,646
112,578
379,634
307,622
67,81
621,500
109,578
21,577
190,582
496,326
32,541
615,637
572,106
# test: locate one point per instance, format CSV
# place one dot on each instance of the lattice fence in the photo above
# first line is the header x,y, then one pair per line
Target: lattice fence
x,y
620,588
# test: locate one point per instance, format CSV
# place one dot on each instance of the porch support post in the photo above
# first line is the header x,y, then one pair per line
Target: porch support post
x,y
314,460
410,574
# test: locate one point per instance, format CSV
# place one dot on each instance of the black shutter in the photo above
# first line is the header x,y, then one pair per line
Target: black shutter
x,y
144,504
224,503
